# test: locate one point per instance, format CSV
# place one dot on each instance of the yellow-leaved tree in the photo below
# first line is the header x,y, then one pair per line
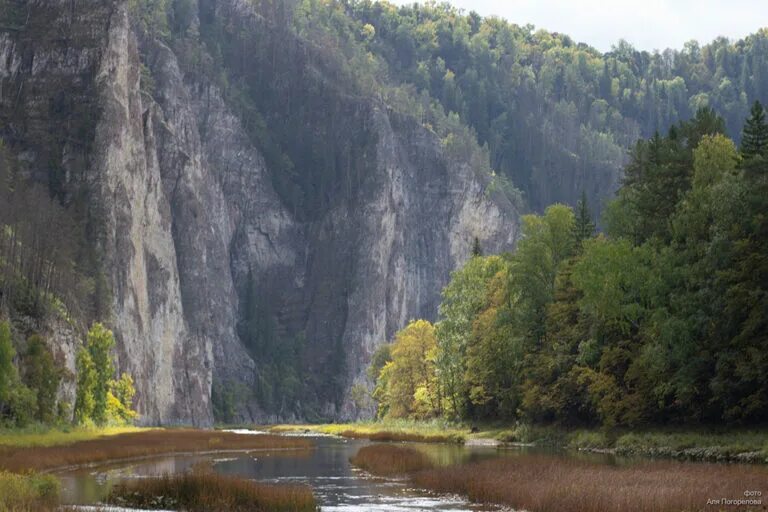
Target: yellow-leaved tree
x,y
407,383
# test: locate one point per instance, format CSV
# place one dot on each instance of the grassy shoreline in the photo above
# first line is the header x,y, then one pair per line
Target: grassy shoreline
x,y
424,432
684,444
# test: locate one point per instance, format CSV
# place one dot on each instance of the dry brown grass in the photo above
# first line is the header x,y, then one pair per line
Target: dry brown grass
x,y
387,459
208,492
141,444
540,483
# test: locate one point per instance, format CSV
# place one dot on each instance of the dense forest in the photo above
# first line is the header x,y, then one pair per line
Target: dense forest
x,y
659,320
556,115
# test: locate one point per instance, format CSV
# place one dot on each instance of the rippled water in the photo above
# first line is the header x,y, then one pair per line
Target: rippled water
x,y
338,486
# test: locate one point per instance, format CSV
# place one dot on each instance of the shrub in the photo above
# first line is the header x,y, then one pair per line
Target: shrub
x,y
22,493
588,439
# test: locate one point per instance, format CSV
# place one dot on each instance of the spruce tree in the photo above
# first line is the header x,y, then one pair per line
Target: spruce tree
x,y
754,141
584,227
477,249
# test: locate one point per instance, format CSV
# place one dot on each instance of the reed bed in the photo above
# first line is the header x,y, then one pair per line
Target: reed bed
x,y
140,444
388,460
539,483
209,492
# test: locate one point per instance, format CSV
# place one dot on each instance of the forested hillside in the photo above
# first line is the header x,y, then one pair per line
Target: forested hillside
x,y
556,114
660,320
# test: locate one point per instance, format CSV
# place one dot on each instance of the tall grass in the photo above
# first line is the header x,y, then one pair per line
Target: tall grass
x,y
745,445
435,431
28,493
539,483
203,491
139,444
40,435
387,459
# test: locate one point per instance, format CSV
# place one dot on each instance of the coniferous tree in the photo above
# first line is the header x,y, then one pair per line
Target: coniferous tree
x,y
585,226
477,249
754,142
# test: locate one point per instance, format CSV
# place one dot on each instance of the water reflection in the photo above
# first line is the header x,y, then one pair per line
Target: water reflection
x,y
338,486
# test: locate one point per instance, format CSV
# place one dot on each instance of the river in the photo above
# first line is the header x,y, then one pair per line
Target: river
x,y
338,486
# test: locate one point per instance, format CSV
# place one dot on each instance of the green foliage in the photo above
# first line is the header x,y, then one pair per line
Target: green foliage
x,y
462,300
17,401
584,226
278,354
86,385
21,404
30,396
99,398
227,398
380,357
657,177
547,242
42,376
151,16
101,341
754,141
541,102
120,400
494,355
661,322
7,353
28,492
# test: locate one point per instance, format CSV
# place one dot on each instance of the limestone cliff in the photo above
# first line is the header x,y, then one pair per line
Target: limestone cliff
x,y
190,212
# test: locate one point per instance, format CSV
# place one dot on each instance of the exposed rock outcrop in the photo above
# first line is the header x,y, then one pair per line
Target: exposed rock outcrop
x,y
190,210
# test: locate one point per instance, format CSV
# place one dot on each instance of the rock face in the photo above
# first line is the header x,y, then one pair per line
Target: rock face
x,y
190,211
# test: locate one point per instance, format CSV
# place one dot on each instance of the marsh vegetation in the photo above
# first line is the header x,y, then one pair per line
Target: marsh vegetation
x,y
205,491
540,482
140,444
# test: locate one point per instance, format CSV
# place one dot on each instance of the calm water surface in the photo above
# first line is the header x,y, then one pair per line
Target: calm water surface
x,y
338,486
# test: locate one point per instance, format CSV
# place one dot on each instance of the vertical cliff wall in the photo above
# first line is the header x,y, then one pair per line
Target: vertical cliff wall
x,y
189,216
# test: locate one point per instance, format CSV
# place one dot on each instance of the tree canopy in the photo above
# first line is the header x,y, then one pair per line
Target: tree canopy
x,y
661,321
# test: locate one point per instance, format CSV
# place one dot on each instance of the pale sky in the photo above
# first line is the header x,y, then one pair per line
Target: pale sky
x,y
647,24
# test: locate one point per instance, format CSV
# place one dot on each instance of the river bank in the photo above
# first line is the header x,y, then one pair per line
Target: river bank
x,y
749,446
